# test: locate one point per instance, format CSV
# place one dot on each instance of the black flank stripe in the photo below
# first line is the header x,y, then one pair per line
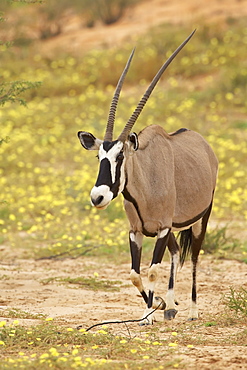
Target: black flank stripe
x,y
189,222
128,197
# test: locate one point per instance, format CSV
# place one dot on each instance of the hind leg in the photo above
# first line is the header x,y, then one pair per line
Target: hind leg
x,y
170,311
198,234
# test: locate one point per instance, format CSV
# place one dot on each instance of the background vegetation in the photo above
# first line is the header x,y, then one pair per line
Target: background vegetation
x,y
45,174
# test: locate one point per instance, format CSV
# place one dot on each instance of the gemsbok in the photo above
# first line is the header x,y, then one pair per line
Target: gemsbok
x,y
167,181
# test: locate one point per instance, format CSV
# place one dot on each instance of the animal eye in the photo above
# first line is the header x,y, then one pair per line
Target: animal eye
x,y
120,157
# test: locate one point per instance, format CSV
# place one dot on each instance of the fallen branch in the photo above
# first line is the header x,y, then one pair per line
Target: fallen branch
x,y
120,322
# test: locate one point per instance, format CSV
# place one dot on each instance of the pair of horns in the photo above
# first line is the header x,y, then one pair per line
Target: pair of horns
x,y
111,118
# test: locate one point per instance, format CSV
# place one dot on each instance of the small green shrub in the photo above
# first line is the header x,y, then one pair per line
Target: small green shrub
x,y
237,300
217,240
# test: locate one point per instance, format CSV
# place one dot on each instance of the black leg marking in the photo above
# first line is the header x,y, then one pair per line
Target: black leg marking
x,y
171,279
196,245
144,296
150,298
173,247
158,254
135,251
160,247
193,296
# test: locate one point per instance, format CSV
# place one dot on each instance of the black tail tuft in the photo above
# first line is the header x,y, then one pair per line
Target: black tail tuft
x,y
185,244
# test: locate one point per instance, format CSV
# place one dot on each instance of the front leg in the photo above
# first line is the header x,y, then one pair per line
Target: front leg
x,y
158,254
135,240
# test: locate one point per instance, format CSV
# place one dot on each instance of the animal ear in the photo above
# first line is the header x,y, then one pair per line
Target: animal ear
x,y
133,140
88,141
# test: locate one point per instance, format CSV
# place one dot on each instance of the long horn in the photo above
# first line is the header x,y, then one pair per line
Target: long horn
x,y
113,108
123,136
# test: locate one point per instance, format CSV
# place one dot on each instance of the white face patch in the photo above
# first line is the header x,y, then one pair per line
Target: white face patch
x,y
102,191
111,155
111,178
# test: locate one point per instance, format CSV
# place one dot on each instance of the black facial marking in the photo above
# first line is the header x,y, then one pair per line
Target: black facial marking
x,y
104,177
115,186
120,156
107,145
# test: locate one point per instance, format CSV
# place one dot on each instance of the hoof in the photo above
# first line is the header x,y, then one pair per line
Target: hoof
x,y
170,314
159,303
145,322
147,318
192,318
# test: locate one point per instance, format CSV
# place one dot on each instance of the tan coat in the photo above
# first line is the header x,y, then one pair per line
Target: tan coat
x,y
172,177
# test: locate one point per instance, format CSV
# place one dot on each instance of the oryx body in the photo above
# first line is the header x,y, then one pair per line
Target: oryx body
x,y
167,181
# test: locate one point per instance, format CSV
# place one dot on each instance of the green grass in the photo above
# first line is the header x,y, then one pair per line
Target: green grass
x,y
87,283
218,241
20,314
50,345
236,300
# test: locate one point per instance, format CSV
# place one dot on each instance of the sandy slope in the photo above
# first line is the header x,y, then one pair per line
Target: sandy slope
x,y
139,19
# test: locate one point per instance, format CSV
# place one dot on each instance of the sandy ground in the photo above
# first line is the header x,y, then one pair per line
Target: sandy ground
x,y
70,305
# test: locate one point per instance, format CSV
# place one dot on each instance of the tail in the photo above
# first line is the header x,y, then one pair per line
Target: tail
x,y
185,244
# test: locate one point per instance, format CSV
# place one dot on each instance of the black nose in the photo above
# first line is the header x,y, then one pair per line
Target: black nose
x,y
98,200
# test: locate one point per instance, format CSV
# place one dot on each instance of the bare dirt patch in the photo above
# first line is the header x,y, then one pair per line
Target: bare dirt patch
x,y
22,287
